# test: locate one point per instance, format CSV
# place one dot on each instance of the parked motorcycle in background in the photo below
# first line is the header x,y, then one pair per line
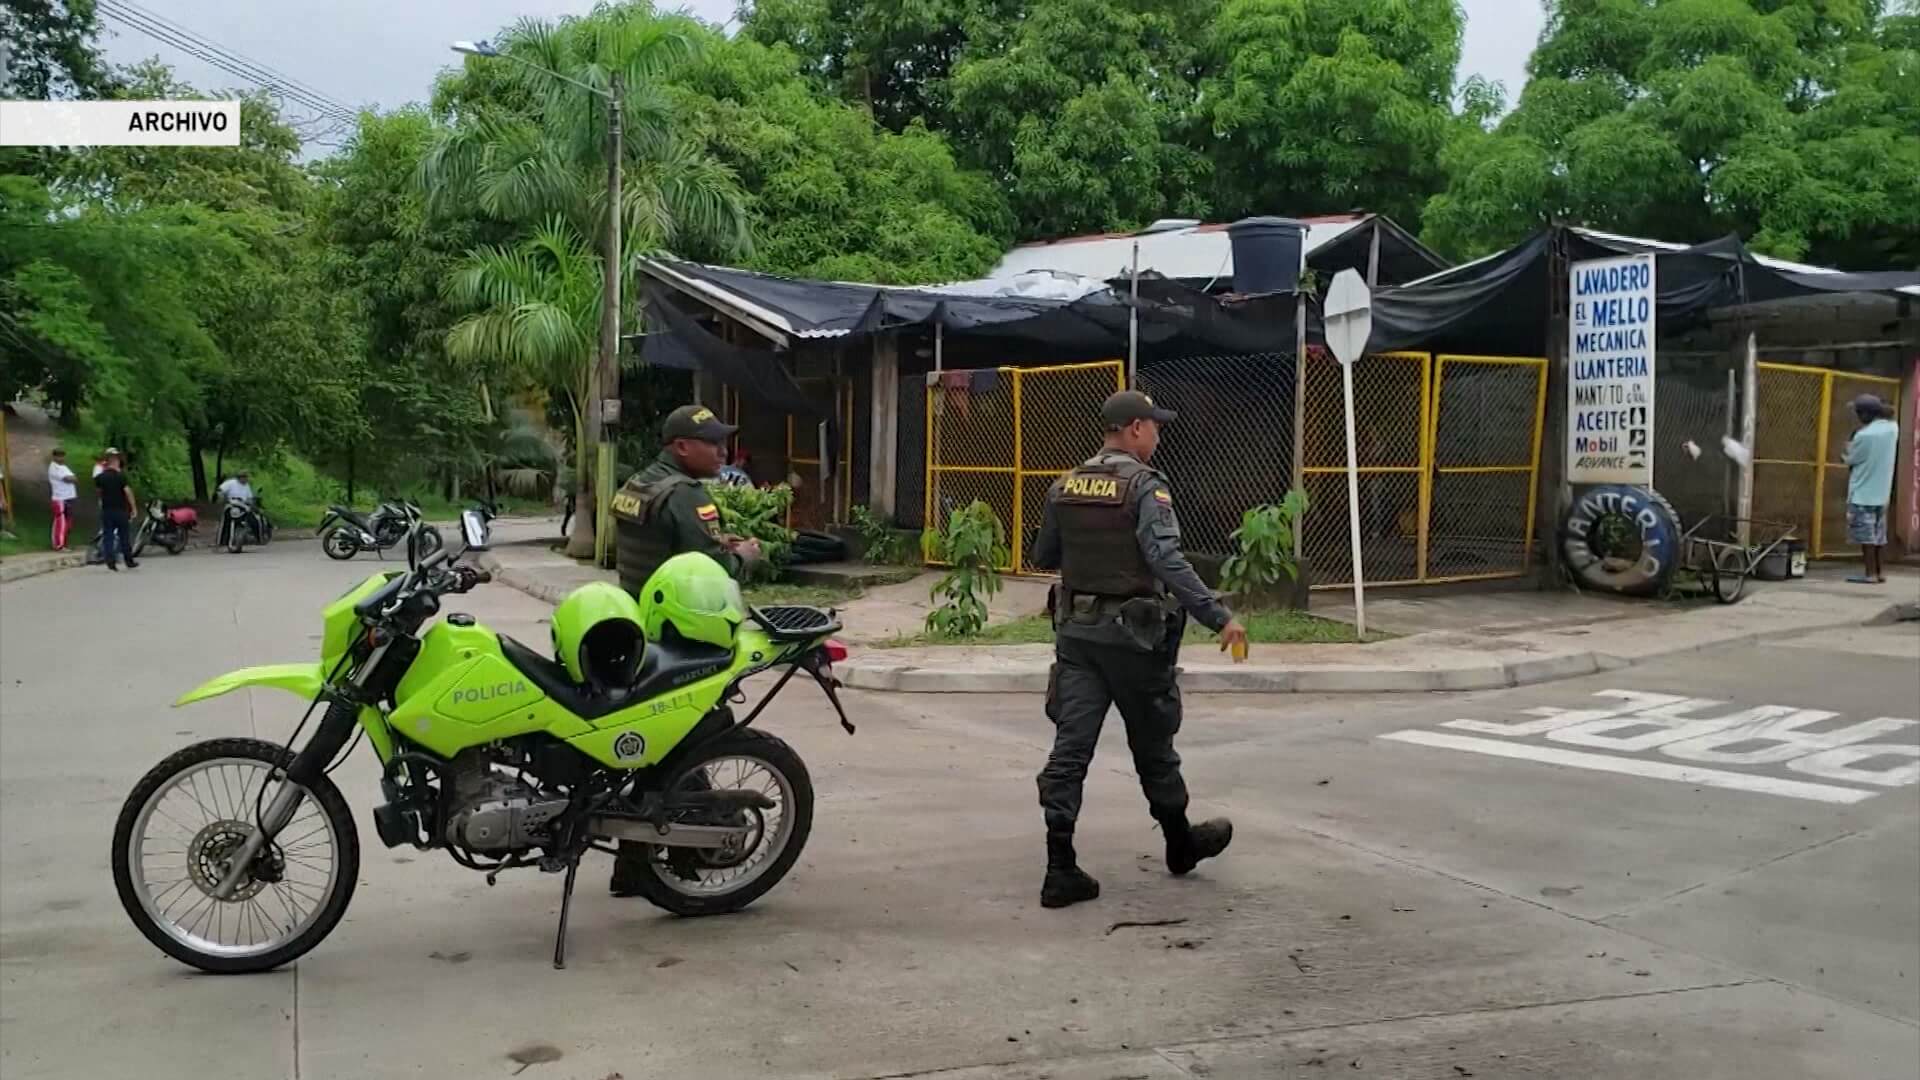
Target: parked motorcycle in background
x,y
171,529
244,522
346,532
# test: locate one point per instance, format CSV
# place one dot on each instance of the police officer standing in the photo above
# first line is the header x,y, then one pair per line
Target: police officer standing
x,y
1119,613
662,511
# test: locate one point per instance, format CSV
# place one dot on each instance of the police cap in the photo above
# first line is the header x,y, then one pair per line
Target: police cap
x,y
695,422
1127,406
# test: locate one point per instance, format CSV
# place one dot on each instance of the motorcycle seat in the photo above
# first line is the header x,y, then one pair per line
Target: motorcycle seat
x,y
665,666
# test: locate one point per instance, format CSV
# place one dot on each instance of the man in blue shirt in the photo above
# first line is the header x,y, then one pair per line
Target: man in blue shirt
x,y
1869,463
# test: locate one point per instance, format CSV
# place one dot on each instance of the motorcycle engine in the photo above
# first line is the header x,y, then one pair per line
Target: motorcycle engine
x,y
490,811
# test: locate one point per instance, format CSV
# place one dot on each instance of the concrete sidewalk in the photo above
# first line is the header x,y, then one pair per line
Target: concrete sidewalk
x,y
1468,640
1544,636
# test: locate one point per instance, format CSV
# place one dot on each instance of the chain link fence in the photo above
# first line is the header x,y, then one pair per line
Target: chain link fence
x,y
1391,394
1485,443
1003,435
1696,403
1804,423
1232,447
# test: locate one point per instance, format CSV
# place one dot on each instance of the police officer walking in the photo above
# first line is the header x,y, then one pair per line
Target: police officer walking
x,y
662,511
1119,613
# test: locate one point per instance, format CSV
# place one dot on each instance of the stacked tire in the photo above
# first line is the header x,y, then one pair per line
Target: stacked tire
x,y
1620,538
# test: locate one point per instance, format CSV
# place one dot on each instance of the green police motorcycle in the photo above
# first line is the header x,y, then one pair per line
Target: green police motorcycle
x,y
238,855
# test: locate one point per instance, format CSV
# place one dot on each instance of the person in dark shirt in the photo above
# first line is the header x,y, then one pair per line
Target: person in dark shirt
x,y
116,513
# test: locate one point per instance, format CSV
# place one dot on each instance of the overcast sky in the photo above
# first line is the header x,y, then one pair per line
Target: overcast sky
x,y
385,52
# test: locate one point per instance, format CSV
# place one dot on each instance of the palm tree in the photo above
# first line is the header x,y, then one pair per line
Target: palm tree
x,y
531,149
536,309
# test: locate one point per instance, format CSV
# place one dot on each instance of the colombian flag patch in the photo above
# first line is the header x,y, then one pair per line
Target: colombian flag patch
x,y
1163,495
708,512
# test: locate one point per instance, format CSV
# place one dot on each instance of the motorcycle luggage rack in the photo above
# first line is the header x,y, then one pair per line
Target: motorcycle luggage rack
x,y
794,622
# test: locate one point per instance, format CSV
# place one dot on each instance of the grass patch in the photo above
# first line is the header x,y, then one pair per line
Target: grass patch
x,y
1263,628
33,531
820,596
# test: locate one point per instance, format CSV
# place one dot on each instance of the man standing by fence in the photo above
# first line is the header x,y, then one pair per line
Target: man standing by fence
x,y
1870,483
1109,528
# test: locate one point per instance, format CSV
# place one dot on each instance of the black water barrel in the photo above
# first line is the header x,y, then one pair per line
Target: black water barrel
x,y
1266,254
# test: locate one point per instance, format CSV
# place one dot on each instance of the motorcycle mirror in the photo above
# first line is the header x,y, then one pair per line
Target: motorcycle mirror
x,y
473,526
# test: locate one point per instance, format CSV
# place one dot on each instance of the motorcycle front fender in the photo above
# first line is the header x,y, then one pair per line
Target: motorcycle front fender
x,y
301,680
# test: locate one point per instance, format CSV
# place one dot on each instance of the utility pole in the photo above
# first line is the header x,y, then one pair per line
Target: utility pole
x,y
606,382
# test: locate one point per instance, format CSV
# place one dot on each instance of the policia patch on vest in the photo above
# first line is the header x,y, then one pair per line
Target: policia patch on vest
x,y
1080,488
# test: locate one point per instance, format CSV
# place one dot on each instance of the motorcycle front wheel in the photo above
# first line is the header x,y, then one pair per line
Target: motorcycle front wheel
x,y
339,544
172,844
698,881
140,537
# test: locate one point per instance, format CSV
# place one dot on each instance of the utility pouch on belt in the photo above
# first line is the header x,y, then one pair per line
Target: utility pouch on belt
x,y
1145,620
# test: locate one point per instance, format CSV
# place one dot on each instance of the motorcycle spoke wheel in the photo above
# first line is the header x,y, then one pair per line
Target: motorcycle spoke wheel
x,y
177,839
713,872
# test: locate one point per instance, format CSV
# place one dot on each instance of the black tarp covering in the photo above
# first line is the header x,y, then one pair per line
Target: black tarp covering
x,y
1501,305
686,345
1172,315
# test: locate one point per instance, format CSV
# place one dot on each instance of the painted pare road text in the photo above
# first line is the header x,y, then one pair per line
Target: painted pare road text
x,y
1703,742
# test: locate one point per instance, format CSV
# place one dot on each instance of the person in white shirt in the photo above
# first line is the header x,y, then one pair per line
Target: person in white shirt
x,y
62,491
236,489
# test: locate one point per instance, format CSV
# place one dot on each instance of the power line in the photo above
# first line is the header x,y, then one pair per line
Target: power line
x,y
271,74
240,67
191,48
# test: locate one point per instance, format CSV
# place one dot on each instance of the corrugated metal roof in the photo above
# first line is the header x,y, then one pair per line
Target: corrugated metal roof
x,y
1201,252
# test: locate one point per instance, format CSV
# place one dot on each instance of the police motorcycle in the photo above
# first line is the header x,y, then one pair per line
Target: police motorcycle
x,y
243,522
238,855
345,532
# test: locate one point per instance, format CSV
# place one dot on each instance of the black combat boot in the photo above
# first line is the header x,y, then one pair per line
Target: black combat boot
x,y
1188,844
1066,883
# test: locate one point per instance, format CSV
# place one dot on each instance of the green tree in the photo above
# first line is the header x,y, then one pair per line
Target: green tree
x,y
423,410
830,193
535,307
1795,123
1080,115
52,50
1327,106
530,150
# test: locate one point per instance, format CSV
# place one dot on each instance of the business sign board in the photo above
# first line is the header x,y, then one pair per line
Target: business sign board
x,y
1610,361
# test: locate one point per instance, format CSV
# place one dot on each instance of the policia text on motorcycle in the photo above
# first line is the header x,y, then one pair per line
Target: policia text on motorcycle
x,y
1119,612
662,511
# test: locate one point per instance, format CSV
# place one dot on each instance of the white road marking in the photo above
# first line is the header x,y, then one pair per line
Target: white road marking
x,y
1659,770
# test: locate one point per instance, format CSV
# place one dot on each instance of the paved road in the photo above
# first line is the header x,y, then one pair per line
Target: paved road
x,y
1620,888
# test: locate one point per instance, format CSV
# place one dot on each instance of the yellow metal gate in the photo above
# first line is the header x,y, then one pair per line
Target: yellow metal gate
x,y
1003,435
1448,452
1801,432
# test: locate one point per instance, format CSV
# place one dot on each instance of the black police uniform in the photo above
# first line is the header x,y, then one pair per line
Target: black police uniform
x,y
1119,614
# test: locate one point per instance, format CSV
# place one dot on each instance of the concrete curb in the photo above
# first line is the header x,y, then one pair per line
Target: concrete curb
x,y
514,579
874,672
21,567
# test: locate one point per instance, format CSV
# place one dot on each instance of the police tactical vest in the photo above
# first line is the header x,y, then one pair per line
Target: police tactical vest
x,y
1095,508
641,540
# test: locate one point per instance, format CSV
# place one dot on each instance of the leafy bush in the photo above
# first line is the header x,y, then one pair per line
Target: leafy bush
x,y
758,514
1263,547
973,545
881,542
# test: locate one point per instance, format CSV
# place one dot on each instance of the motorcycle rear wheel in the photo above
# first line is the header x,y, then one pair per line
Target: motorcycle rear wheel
x,y
279,911
177,544
339,544
694,882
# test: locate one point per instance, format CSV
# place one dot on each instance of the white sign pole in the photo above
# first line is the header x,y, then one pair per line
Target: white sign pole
x,y
1353,510
1348,318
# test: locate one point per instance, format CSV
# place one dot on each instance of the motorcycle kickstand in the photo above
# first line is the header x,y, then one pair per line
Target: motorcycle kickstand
x,y
566,904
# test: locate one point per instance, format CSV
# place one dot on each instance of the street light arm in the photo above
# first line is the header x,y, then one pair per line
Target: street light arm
x,y
486,50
